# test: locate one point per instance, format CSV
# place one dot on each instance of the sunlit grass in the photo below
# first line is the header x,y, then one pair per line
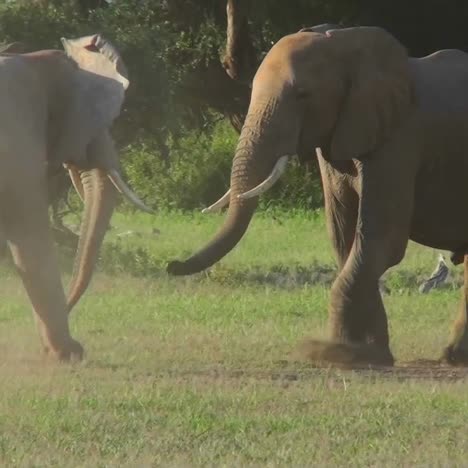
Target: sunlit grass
x,y
198,371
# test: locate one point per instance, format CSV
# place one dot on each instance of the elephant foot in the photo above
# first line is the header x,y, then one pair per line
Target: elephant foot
x,y
72,351
455,356
346,355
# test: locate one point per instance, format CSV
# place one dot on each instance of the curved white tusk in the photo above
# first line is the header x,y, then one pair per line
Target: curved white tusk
x,y
276,173
125,190
76,180
223,201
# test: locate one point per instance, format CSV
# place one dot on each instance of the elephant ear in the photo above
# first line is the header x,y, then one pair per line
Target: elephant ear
x,y
97,87
379,90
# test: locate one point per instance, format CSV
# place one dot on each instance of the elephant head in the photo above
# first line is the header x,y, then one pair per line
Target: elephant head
x,y
341,90
85,88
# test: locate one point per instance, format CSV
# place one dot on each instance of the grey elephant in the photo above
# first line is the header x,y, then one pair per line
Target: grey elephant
x,y
391,134
57,110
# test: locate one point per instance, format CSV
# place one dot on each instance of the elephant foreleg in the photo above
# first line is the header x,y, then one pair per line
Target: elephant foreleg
x,y
30,241
456,352
358,322
357,314
341,208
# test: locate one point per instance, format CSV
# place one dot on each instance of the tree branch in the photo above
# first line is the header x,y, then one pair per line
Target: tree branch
x,y
240,59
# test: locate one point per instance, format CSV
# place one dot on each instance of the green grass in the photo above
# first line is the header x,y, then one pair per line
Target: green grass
x,y
200,371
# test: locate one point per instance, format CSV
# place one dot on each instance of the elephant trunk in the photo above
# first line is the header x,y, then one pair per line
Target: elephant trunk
x,y
237,221
99,199
254,160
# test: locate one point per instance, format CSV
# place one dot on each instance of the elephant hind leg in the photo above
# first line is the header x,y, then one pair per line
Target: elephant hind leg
x,y
26,221
456,353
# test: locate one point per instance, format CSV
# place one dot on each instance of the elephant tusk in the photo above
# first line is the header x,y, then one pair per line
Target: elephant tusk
x,y
125,190
276,173
76,180
223,201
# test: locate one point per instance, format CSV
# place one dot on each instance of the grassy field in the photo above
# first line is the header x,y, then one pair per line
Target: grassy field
x,y
201,371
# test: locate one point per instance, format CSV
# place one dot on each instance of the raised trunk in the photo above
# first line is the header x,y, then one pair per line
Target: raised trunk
x,y
255,157
99,199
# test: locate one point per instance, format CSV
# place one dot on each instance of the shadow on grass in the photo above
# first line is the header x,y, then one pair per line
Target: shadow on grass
x,y
141,262
285,371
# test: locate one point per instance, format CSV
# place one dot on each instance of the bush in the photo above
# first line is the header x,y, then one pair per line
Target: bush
x,y
172,49
160,52
199,173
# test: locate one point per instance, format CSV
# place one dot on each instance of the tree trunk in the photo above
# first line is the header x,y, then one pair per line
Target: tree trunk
x,y
211,86
240,60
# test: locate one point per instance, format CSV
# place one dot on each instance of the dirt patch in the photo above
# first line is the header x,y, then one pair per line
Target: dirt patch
x,y
420,369
369,360
427,369
424,370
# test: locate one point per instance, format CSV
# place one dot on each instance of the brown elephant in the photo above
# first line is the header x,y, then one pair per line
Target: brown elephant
x,y
57,110
391,134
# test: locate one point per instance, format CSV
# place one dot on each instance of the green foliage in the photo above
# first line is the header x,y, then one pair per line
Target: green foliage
x,y
131,260
172,49
199,174
297,189
159,49
198,171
